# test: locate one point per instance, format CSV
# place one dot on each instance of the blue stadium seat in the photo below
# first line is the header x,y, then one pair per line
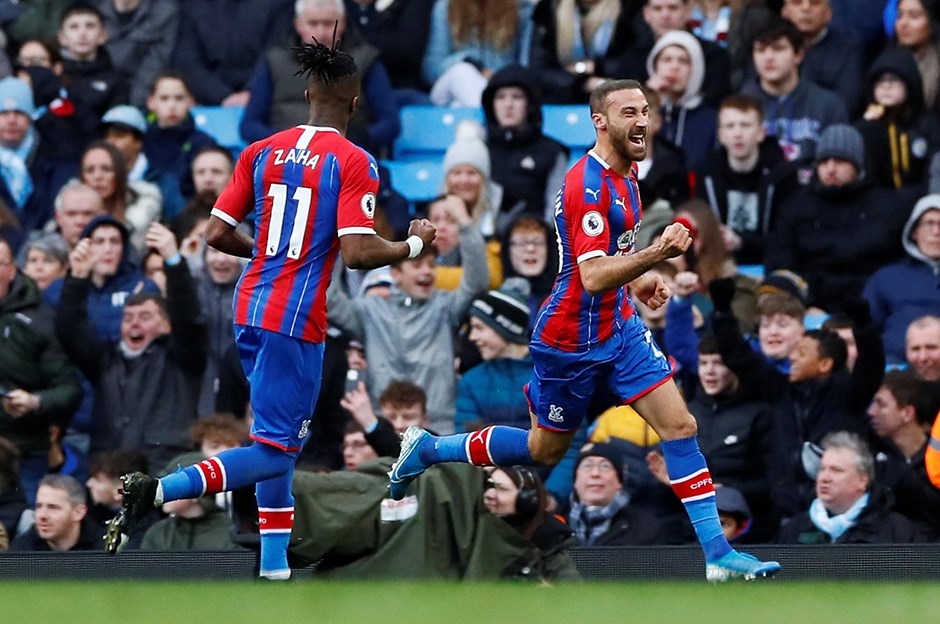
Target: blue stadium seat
x,y
569,123
417,180
427,131
752,270
221,123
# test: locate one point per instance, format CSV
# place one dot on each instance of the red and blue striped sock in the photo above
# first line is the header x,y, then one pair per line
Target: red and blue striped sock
x,y
496,445
229,470
692,483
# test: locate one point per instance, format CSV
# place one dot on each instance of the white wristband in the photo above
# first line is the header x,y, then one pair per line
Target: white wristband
x,y
415,245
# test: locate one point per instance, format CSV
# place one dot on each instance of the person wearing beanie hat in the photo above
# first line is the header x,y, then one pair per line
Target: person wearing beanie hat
x,y
601,511
467,175
840,228
488,393
784,281
47,259
840,142
124,128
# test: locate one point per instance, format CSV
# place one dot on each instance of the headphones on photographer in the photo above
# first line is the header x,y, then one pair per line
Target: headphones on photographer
x,y
527,503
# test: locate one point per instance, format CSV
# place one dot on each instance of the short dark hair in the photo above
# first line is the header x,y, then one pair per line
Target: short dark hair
x,y
215,149
600,94
831,346
170,74
427,250
839,320
778,28
708,344
143,297
115,463
69,484
81,8
403,394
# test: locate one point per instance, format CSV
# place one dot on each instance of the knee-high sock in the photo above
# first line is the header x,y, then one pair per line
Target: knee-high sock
x,y
275,521
229,470
692,483
497,445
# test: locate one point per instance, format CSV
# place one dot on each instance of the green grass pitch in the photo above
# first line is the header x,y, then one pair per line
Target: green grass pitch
x,y
319,602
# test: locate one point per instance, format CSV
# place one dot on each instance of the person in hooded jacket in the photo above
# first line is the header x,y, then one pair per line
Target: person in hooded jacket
x,y
526,251
900,137
529,165
114,277
676,68
910,288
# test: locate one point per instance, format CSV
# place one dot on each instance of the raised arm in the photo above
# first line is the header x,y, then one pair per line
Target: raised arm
x,y
603,273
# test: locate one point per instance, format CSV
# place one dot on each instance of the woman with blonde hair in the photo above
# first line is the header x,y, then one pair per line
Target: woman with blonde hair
x,y
470,40
577,44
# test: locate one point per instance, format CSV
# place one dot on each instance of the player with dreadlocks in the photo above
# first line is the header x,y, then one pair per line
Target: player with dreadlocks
x,y
313,193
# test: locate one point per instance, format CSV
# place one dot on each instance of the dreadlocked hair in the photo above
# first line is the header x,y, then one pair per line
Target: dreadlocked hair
x,y
324,64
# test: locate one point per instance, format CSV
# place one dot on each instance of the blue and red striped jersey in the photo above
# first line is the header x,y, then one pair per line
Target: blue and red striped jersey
x,y
597,213
307,187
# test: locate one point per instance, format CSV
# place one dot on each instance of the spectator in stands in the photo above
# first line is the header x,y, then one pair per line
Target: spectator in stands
x,y
576,44
36,20
733,511
195,524
467,174
113,277
527,251
488,393
94,84
172,139
216,281
449,213
124,128
840,229
676,68
47,259
134,203
400,30
61,519
903,406
212,168
922,346
147,384
905,290
711,19
900,137
219,432
217,65
746,179
39,385
278,93
833,60
13,505
662,16
850,507
410,334
75,206
470,40
777,53
915,29
817,396
841,324
141,37
601,511
528,165
735,435
356,450
401,405
105,469
29,176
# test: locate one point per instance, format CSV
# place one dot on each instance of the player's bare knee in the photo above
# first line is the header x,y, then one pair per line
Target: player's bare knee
x,y
547,455
676,429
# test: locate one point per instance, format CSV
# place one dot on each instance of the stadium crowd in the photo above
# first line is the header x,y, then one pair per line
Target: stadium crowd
x,y
798,141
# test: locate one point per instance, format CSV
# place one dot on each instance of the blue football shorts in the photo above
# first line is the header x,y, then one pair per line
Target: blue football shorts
x,y
628,363
284,374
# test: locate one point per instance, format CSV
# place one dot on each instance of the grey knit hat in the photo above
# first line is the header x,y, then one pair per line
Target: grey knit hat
x,y
842,142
